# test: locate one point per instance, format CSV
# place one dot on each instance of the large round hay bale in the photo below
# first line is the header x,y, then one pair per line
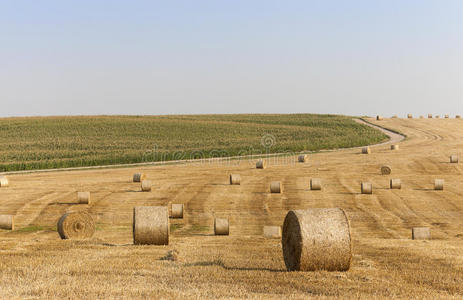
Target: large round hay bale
x,y
151,225
366,150
395,147
317,239
276,187
366,188
429,116
235,179
394,117
272,232
76,225
177,211
139,177
437,117
221,226
302,158
421,117
410,116
421,233
457,117
315,184
454,159
439,184
447,116
146,185
7,222
83,197
386,170
395,184
261,164
4,181
379,118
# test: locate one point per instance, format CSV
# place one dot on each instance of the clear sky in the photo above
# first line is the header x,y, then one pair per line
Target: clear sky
x,y
186,57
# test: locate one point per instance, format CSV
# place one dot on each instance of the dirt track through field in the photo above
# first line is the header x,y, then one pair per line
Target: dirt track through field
x,y
387,263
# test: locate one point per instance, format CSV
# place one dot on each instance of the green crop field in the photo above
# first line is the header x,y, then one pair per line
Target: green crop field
x,y
59,142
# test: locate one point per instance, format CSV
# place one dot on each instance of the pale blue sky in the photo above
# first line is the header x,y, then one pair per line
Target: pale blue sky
x,y
178,57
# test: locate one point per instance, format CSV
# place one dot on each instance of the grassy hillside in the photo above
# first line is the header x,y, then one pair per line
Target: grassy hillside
x,y
58,142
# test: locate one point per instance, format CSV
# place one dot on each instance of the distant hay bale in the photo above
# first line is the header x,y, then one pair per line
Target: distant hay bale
x,y
146,185
394,147
317,239
410,116
302,158
235,179
447,116
177,211
83,197
315,184
76,225
366,150
379,118
454,159
366,188
221,226
395,184
261,164
151,225
394,117
439,184
276,187
457,117
421,233
386,170
139,177
4,181
272,232
7,222
429,116
437,117
421,117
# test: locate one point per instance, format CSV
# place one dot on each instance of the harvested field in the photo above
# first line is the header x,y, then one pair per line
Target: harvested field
x,y
386,262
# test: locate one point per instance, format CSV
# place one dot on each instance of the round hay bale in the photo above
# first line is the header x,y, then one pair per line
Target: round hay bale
x,y
439,184
7,222
221,226
437,117
83,197
395,184
261,164
386,170
457,117
315,184
410,116
394,117
379,118
394,147
302,158
447,116
429,116
276,187
76,225
177,211
235,179
366,150
317,239
146,185
421,233
454,159
272,232
139,177
421,117
366,188
151,225
4,181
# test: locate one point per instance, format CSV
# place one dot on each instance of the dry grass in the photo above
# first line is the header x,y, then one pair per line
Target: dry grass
x,y
387,263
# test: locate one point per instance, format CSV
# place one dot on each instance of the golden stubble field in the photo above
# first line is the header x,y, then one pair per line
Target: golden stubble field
x,y
34,262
